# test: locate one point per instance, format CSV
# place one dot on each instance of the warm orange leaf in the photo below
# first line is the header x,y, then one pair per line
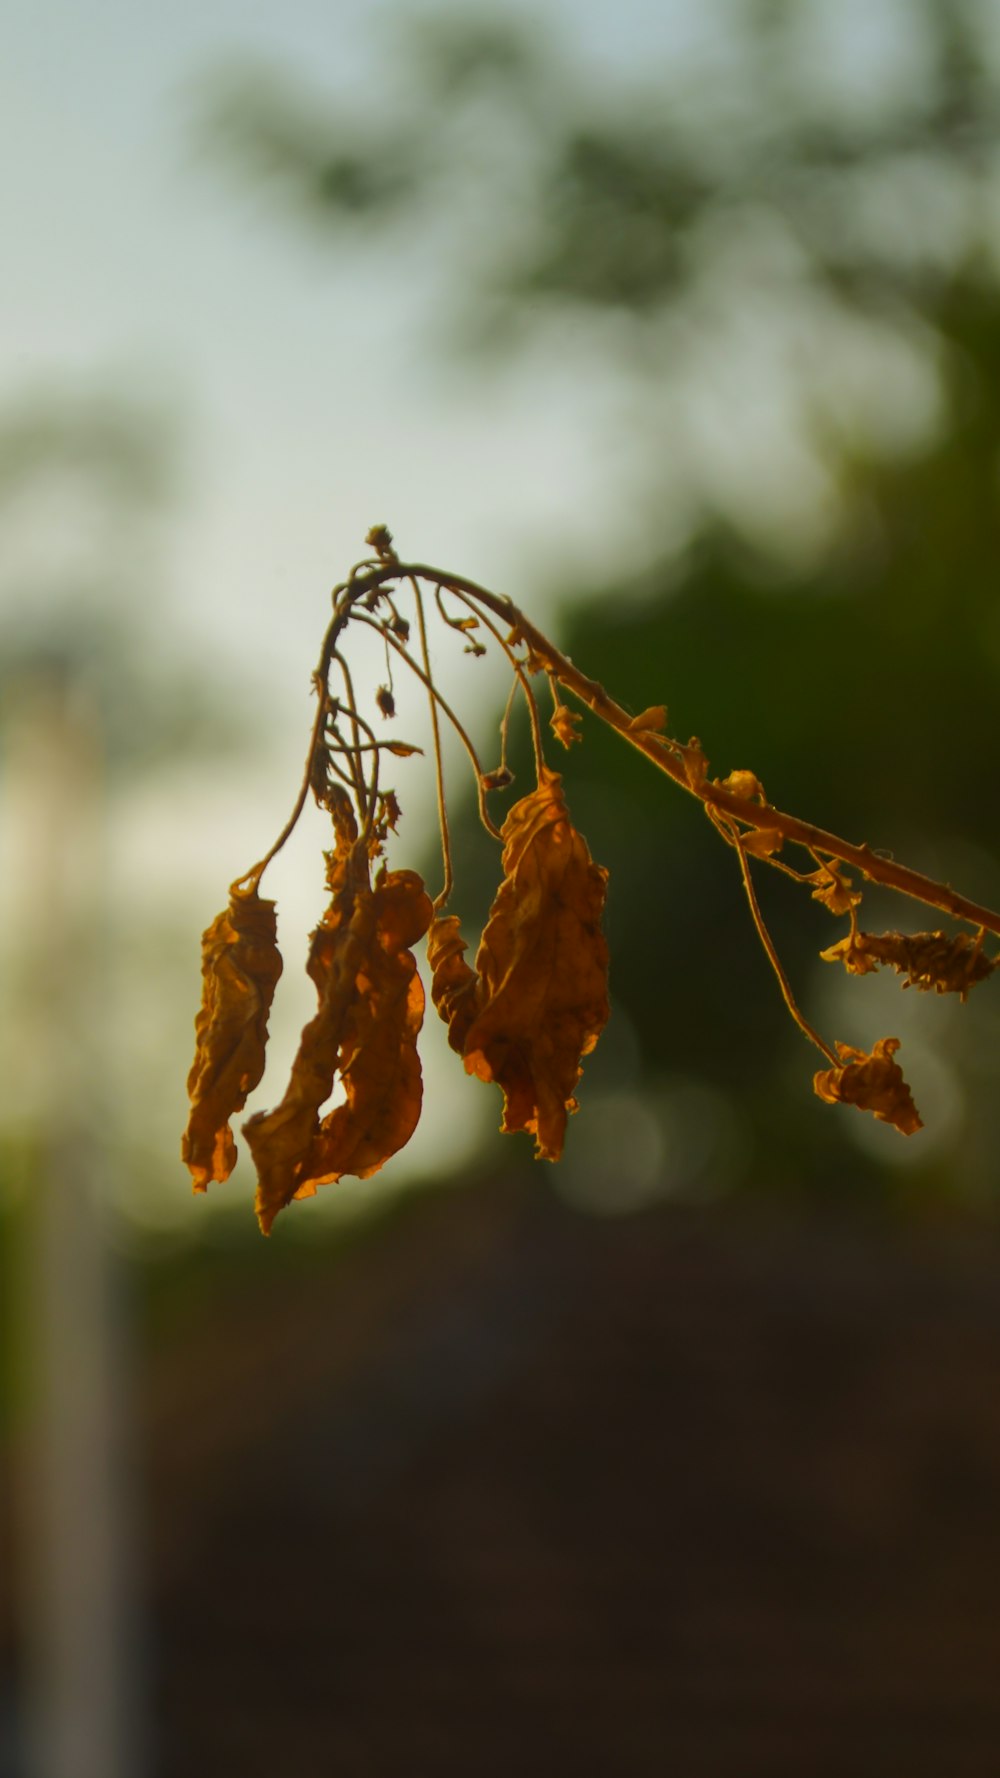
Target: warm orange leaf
x,y
744,784
927,959
695,762
871,1082
650,722
240,966
834,889
378,1061
370,1011
762,842
454,986
565,724
538,1000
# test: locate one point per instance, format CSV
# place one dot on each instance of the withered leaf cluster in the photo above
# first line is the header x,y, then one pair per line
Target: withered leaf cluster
x,y
537,1000
871,1082
240,966
927,959
364,1033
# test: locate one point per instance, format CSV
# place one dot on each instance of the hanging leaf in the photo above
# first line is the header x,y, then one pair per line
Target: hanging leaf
x,y
834,888
650,722
240,964
871,1082
454,986
565,724
537,1000
365,1029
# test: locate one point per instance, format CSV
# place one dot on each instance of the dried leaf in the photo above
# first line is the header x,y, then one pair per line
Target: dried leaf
x,y
389,811
454,986
695,763
378,1060
762,842
834,889
651,721
240,966
744,784
871,1082
371,1006
537,1000
927,959
566,724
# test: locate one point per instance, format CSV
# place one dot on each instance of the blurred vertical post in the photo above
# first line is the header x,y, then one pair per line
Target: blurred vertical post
x,y
72,1514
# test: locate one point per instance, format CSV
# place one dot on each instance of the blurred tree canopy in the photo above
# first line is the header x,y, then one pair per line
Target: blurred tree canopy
x,y
822,208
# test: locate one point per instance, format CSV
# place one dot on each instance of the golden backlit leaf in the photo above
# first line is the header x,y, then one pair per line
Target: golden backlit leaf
x,y
378,1061
927,959
762,842
746,785
240,965
566,724
537,1000
871,1082
364,1031
834,889
695,761
454,986
652,721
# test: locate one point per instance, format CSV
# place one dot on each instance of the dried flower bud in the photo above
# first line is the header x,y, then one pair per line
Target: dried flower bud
x,y
834,889
871,1082
566,724
927,959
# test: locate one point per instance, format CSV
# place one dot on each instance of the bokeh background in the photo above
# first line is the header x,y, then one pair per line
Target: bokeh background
x,y
682,325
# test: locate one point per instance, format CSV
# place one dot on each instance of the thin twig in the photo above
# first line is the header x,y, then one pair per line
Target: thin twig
x,y
736,839
440,900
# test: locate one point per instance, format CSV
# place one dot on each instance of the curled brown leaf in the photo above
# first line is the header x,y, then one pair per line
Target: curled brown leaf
x,y
762,842
834,889
565,724
454,986
695,762
364,1031
537,1000
650,722
871,1082
240,966
927,959
744,784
